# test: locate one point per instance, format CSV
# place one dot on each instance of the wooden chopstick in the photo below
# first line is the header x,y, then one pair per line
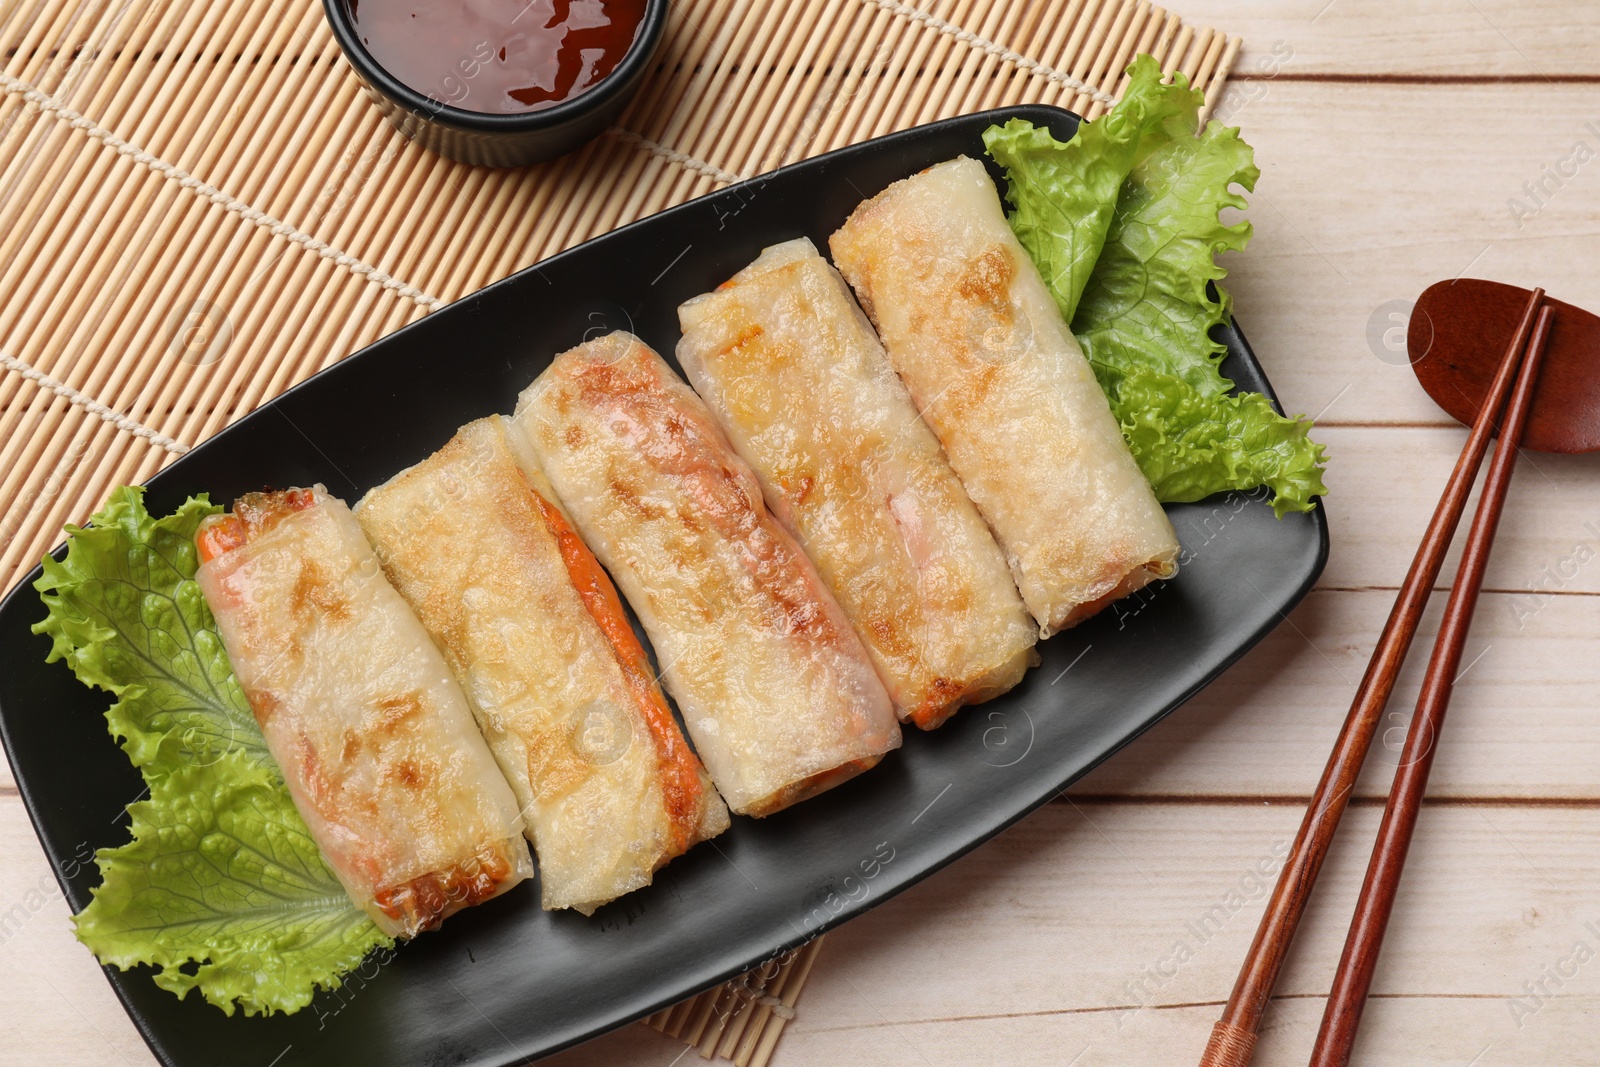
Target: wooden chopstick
x,y
1233,1038
1354,976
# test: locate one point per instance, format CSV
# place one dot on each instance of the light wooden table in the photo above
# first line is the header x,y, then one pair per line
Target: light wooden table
x,y
1106,929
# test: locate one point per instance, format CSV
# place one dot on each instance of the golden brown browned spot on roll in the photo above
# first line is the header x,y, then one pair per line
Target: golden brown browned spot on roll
x,y
890,631
987,279
628,497
554,766
263,703
743,338
395,711
318,786
411,774
313,594
976,384
864,297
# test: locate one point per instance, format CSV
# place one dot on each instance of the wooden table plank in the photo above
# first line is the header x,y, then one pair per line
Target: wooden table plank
x,y
1048,897
1369,193
1384,482
1028,951
1522,724
1420,38
1414,1031
57,1007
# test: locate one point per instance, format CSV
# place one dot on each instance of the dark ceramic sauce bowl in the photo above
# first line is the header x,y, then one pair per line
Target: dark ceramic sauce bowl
x,y
509,140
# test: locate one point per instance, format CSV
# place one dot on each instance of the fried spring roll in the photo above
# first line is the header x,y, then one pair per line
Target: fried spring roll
x,y
795,376
373,736
561,688
973,332
774,685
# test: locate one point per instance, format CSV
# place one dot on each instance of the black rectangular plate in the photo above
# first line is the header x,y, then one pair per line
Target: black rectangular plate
x,y
506,981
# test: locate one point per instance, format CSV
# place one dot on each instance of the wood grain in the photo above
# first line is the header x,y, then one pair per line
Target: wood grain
x,y
1090,960
1368,40
1390,189
1382,481
1523,731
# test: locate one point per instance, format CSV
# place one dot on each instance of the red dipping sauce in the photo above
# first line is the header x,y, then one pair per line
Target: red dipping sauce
x,y
498,56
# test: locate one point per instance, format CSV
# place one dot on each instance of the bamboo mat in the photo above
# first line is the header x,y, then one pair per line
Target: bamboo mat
x,y
198,209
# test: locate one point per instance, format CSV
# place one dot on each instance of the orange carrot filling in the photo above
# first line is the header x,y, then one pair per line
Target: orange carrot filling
x,y
253,514
681,786
425,901
220,536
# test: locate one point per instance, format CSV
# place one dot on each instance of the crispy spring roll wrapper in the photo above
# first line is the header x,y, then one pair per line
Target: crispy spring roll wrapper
x,y
561,688
373,736
975,335
775,687
794,375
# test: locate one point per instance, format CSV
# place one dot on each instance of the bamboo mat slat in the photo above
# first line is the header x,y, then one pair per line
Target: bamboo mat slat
x,y
199,208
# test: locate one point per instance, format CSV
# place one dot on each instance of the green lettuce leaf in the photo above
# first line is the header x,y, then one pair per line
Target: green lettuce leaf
x,y
221,888
222,873
1147,304
1145,315
1192,444
1063,196
127,616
